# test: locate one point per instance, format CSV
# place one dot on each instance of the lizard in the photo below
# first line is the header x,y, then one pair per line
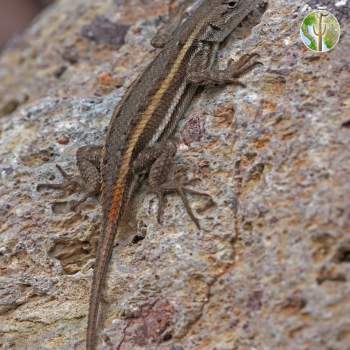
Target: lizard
x,y
139,137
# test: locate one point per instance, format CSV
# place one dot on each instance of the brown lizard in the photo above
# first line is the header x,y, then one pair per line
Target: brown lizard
x,y
139,135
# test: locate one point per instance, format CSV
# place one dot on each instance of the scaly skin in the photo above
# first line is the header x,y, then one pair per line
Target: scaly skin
x,y
145,119
150,111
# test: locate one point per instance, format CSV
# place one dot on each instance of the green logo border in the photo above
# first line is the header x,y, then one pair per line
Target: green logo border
x,y
303,36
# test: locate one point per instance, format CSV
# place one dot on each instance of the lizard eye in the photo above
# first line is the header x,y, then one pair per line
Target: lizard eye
x,y
232,4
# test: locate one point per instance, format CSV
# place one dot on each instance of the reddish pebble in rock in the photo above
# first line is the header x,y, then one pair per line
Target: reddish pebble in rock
x,y
63,140
193,130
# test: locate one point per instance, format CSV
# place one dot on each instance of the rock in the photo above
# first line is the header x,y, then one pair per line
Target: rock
x,y
269,270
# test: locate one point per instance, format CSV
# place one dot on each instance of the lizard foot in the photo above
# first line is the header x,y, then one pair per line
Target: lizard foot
x,y
229,75
181,189
163,180
70,184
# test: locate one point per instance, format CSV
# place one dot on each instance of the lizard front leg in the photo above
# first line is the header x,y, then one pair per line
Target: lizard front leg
x,y
160,160
201,71
88,163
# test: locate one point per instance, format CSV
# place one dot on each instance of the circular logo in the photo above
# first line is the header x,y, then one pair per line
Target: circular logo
x,y
320,31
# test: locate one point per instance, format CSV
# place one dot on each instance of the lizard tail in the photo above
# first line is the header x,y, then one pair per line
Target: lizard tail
x,y
104,252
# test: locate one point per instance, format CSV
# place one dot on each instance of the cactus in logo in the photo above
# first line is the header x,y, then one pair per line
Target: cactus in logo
x,y
321,31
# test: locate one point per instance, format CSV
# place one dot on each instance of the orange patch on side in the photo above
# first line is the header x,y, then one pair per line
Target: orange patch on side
x,y
116,204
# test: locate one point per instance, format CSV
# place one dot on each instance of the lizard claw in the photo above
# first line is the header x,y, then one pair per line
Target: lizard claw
x,y
230,75
69,183
244,64
181,189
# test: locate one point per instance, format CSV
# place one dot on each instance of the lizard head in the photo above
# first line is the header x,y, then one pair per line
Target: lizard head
x,y
225,16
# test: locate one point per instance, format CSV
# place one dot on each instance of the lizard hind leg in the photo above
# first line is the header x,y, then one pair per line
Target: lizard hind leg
x,y
161,183
88,158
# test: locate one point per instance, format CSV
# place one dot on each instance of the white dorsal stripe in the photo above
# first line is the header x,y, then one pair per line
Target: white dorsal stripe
x,y
147,115
168,115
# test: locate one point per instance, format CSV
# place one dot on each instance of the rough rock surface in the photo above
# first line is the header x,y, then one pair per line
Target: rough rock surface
x,y
271,267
